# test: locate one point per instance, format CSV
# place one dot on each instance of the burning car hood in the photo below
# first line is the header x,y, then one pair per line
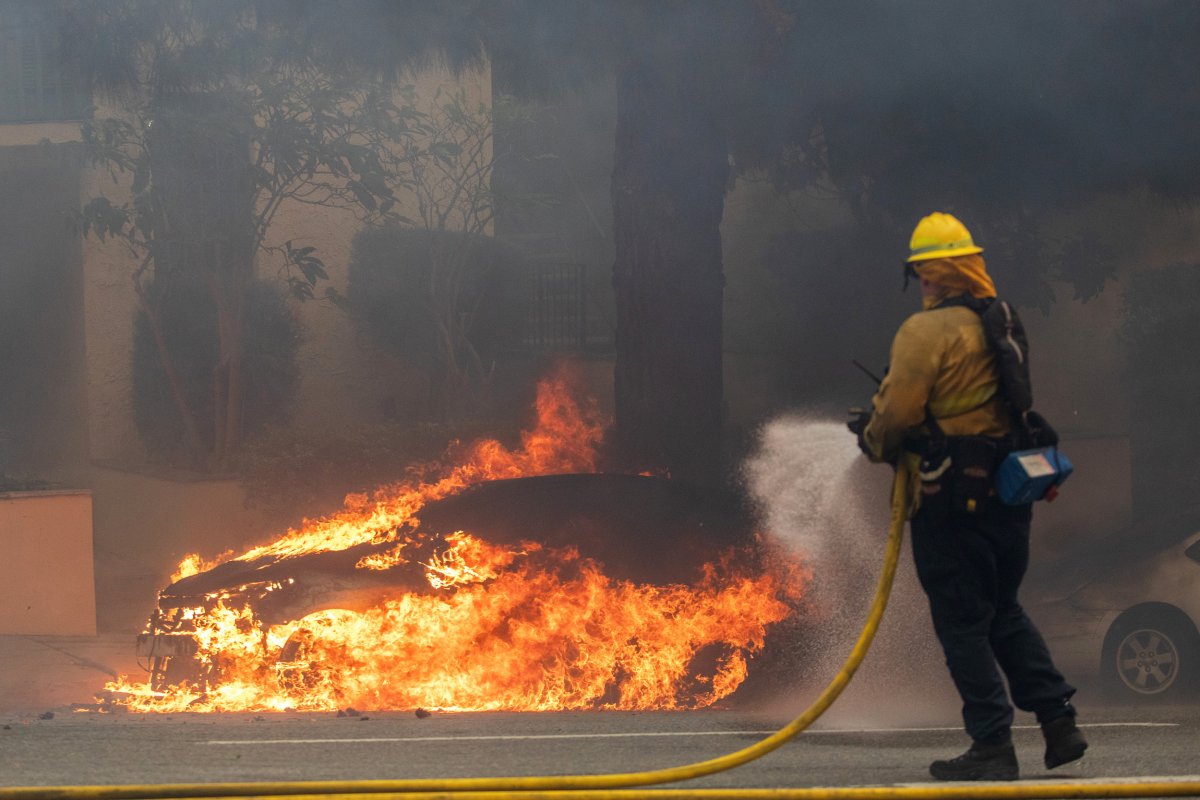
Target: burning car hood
x,y
643,529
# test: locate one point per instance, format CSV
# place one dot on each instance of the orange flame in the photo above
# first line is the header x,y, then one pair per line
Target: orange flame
x,y
194,564
470,560
519,627
565,440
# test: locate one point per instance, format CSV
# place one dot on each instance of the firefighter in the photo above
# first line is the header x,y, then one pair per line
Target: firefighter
x,y
939,407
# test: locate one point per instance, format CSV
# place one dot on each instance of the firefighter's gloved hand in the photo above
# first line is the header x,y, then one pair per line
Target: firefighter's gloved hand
x,y
857,424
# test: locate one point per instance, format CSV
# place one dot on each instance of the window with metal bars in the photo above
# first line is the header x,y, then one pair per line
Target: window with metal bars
x,y
557,316
561,313
34,84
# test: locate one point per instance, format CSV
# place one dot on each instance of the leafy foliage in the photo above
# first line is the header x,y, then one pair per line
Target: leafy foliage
x,y
1001,113
271,340
296,120
311,269
224,120
395,275
445,292
24,483
307,141
1008,115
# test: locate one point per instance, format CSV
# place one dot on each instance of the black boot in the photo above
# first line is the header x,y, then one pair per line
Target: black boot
x,y
1064,741
983,762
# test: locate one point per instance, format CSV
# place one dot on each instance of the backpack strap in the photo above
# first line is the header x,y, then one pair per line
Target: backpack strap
x,y
979,306
976,304
1006,336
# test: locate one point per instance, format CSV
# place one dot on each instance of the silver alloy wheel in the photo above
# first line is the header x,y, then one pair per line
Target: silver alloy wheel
x,y
1147,660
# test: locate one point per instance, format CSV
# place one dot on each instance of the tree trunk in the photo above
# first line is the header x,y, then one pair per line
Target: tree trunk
x,y
228,378
187,414
199,148
668,193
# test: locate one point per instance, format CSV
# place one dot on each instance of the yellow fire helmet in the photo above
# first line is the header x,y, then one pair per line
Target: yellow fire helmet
x,y
941,236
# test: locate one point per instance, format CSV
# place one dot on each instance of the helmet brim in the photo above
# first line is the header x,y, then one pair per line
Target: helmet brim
x,y
950,253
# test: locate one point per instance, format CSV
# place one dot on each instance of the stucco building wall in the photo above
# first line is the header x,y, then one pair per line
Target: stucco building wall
x,y
110,306
344,380
144,524
46,577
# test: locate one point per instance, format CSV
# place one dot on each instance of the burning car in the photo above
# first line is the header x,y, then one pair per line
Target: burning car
x,y
643,529
502,583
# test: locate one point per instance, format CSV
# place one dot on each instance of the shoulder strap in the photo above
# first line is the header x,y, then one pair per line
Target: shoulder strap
x,y
1006,336
976,304
979,306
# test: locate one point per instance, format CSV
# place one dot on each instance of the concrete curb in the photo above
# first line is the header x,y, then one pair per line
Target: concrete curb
x,y
44,673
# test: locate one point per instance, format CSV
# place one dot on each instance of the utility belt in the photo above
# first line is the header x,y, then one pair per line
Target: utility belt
x,y
962,470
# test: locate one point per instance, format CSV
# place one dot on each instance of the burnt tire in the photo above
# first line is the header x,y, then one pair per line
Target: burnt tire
x,y
1151,655
297,667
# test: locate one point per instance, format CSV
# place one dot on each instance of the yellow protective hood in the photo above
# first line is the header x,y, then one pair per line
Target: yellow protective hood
x,y
957,275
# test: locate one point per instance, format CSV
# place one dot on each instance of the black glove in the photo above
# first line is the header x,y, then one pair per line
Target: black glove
x,y
857,424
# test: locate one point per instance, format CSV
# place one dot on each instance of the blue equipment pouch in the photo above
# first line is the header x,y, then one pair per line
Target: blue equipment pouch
x,y
1028,475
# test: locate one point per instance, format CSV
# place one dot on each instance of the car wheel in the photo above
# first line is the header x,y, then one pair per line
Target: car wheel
x,y
298,664
1152,656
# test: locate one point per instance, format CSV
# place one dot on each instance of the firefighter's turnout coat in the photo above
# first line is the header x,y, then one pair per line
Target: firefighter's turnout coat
x,y
941,365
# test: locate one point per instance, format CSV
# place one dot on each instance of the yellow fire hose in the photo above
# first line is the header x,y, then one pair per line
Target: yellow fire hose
x,y
612,786
1042,790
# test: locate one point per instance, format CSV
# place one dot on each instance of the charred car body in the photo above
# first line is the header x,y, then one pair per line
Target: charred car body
x,y
642,529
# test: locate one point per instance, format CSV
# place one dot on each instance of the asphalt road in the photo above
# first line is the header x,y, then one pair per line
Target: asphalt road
x,y
94,748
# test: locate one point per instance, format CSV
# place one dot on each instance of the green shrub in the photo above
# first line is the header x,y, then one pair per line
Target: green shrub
x,y
271,374
23,483
391,292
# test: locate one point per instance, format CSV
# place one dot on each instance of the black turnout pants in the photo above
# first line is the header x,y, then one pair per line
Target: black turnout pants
x,y
970,566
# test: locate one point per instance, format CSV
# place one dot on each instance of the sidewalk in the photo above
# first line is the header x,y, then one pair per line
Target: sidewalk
x,y
49,673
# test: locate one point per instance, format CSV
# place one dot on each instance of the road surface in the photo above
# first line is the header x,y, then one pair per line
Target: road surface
x,y
93,748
